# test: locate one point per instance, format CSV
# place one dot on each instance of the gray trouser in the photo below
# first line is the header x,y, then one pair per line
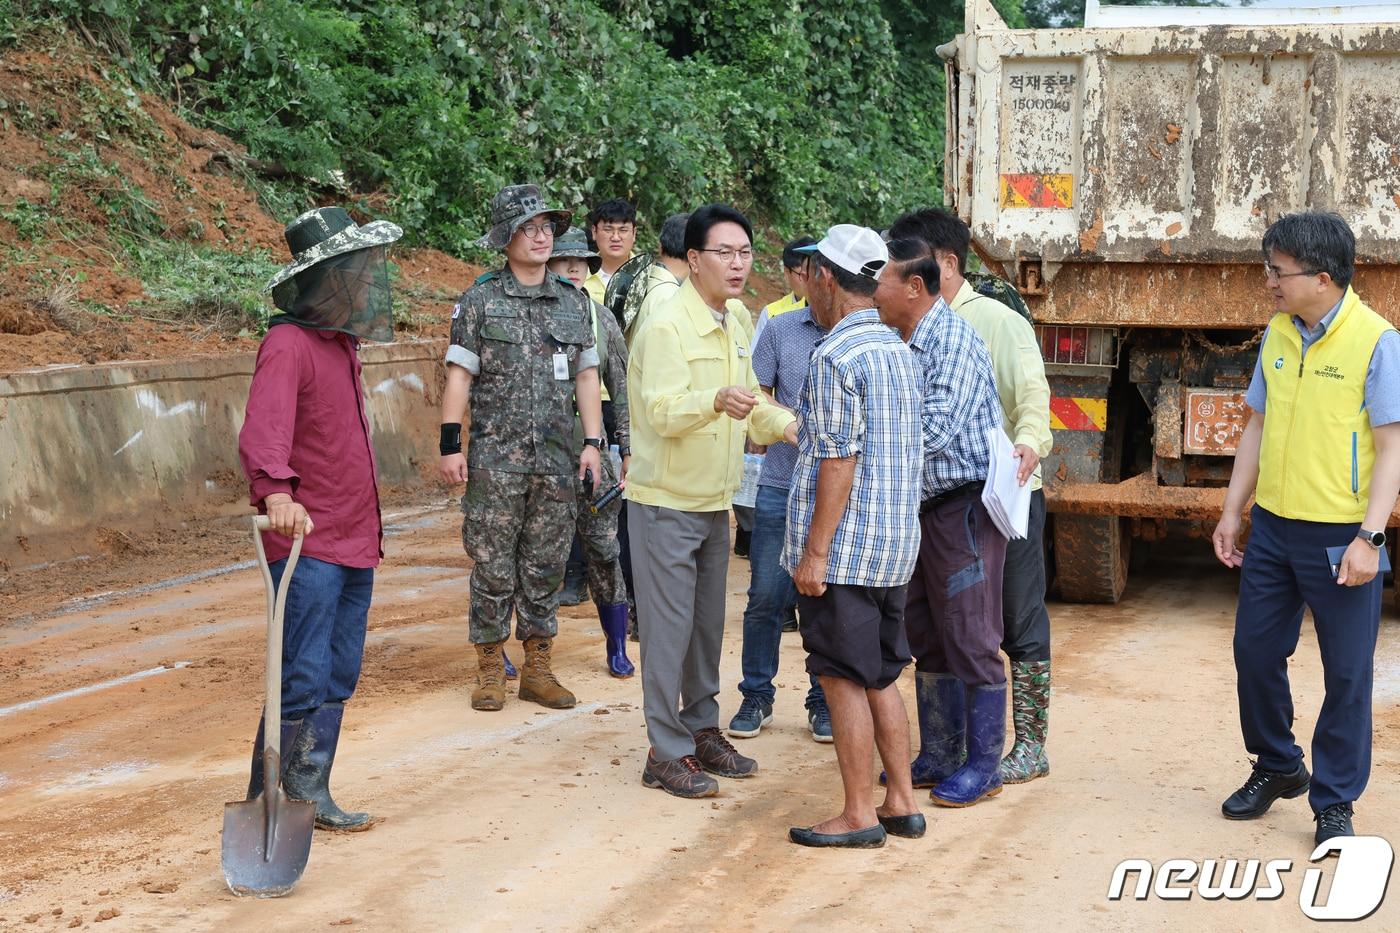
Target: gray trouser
x,y
679,563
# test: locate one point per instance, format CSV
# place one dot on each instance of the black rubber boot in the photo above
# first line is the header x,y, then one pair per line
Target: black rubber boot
x,y
307,774
290,728
575,589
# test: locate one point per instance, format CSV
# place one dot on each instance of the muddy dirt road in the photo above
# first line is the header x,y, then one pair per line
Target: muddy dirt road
x,y
126,717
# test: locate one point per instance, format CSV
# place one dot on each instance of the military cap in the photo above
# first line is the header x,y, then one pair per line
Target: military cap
x,y
513,207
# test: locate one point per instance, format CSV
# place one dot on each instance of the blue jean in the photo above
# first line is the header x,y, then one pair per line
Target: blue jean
x,y
323,632
1285,568
771,591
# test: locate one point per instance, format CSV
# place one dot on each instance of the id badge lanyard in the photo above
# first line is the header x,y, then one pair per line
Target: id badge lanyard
x,y
561,362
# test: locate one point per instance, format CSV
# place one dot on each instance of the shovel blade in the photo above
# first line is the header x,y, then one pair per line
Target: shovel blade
x,y
253,867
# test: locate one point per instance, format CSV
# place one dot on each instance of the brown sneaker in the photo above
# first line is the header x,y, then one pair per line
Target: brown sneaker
x,y
679,777
717,756
490,692
537,682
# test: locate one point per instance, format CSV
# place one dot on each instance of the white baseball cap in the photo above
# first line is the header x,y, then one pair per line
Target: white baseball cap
x,y
858,250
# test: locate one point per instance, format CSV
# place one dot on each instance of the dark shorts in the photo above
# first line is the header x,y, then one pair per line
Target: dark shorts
x,y
856,633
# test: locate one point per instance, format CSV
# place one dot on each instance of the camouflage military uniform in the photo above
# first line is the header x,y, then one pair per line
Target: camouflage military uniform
x,y
520,505
598,530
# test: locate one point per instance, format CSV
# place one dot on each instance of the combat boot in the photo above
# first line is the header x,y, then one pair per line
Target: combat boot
x,y
490,692
1030,709
537,682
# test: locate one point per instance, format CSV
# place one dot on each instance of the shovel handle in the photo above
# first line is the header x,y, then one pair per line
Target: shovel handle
x,y
276,607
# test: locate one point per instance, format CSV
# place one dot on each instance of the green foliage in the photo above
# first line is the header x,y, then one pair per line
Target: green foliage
x,y
801,112
189,283
1042,14
29,220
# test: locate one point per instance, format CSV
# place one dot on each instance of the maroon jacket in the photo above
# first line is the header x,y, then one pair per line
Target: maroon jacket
x,y
305,433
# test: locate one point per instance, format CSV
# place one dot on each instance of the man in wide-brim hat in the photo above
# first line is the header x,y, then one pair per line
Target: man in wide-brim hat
x,y
522,355
307,453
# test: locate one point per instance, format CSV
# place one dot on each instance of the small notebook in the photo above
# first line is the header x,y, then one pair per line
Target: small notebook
x,y
1334,560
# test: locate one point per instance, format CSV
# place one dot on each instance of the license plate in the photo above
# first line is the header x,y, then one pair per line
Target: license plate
x,y
1215,419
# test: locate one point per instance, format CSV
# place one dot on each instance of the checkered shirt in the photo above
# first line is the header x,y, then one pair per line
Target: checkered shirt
x,y
861,400
960,400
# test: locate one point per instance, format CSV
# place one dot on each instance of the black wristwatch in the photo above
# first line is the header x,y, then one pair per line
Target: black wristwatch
x,y
593,442
1374,538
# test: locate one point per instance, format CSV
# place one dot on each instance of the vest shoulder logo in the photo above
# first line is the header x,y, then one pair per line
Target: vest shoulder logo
x,y
1278,363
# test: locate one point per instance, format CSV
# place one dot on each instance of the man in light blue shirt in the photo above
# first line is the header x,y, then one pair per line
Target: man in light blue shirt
x,y
780,360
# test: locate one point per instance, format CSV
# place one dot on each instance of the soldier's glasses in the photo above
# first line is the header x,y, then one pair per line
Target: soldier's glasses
x,y
532,231
726,256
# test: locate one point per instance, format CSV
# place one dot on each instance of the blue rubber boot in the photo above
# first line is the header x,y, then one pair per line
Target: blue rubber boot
x,y
511,672
614,622
942,704
980,777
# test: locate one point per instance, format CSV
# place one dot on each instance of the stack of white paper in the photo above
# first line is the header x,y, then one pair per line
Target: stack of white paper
x,y
1008,502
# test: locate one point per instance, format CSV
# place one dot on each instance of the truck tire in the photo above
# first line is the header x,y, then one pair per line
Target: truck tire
x,y
1091,557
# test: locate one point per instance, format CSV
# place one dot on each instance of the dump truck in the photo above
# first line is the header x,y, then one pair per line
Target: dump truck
x,y
1121,176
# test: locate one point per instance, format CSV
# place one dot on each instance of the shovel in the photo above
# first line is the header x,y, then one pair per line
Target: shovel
x,y
268,839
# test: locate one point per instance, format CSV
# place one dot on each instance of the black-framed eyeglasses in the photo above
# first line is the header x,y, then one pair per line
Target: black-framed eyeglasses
x,y
1272,272
727,255
532,231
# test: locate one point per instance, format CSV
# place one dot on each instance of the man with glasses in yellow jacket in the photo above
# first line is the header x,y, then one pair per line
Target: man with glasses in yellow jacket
x,y
1321,455
693,398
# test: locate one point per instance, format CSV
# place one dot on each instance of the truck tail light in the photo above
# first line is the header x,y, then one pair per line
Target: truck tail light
x,y
1078,346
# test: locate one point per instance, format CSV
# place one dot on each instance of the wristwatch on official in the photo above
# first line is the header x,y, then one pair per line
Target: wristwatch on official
x,y
598,442
1374,538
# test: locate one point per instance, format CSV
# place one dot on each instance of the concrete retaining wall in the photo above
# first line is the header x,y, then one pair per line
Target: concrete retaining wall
x,y
135,443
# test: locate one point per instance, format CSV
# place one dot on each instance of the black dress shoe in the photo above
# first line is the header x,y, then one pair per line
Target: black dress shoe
x,y
1262,789
910,827
869,838
1332,822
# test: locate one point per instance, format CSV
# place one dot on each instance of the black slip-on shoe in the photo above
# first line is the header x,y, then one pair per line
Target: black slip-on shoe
x,y
1261,790
872,837
912,826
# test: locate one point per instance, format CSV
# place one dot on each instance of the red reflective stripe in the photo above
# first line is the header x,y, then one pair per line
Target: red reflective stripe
x,y
1071,415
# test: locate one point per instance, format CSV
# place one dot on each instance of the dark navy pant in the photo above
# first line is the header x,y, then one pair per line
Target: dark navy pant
x,y
1286,568
1025,621
953,614
323,633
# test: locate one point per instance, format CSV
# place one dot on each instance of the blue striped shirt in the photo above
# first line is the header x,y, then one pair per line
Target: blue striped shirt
x,y
861,400
780,357
960,400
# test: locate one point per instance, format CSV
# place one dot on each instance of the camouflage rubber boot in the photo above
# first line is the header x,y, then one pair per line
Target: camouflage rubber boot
x,y
537,682
490,692
1030,708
